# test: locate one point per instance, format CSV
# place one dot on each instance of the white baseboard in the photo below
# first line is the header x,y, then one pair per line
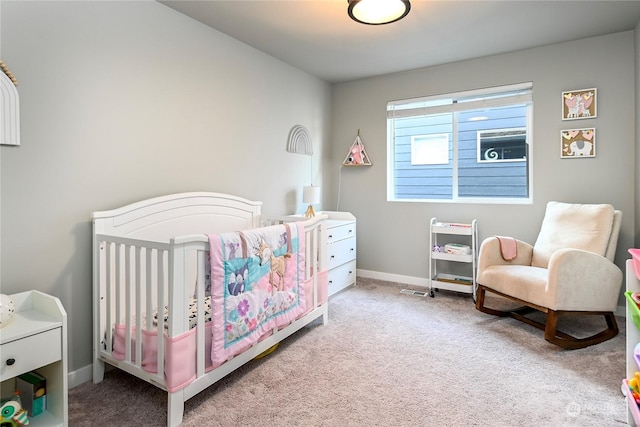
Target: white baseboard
x,y
80,376
397,278
423,282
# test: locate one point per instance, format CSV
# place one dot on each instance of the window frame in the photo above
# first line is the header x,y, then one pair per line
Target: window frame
x,y
506,95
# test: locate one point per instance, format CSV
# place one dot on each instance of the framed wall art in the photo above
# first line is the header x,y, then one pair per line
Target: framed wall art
x,y
579,104
577,143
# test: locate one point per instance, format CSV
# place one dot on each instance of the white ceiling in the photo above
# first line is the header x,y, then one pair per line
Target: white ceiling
x,y
317,36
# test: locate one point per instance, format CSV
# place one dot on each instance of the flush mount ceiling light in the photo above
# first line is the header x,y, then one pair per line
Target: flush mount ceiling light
x,y
378,12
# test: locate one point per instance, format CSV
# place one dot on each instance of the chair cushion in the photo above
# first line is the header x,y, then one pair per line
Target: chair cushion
x,y
519,281
577,226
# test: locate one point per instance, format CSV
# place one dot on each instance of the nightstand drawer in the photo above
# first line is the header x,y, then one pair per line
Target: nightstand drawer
x,y
341,252
342,276
341,232
30,353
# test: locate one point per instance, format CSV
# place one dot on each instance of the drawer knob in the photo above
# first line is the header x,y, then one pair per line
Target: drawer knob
x,y
11,361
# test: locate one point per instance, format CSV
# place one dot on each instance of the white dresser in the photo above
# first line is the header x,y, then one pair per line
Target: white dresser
x,y
36,340
341,250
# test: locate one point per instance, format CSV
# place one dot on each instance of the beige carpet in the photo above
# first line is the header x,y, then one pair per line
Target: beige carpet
x,y
391,359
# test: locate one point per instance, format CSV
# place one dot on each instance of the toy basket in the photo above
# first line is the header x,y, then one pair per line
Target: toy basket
x,y
634,311
631,403
635,254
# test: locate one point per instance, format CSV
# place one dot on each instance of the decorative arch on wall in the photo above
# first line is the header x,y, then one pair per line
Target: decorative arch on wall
x,y
300,141
9,108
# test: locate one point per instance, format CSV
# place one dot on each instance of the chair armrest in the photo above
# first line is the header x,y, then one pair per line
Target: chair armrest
x,y
582,281
490,254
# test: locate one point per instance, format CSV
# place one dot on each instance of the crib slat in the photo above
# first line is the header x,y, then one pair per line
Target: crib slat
x,y
178,295
118,283
161,283
108,296
138,309
148,293
127,301
200,297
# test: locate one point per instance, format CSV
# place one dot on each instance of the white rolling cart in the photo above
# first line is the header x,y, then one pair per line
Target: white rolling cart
x,y
442,250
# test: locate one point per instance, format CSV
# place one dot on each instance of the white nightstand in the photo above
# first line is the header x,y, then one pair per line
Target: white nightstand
x,y
36,340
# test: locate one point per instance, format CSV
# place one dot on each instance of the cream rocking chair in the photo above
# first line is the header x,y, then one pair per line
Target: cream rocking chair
x,y
569,271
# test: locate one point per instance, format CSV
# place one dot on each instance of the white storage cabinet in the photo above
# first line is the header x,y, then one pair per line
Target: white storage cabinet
x,y
341,250
36,340
438,277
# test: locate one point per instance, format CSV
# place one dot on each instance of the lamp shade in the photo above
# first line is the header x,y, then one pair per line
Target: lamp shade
x,y
311,195
378,12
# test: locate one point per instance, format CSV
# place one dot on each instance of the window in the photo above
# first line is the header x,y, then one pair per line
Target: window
x,y
503,145
468,146
430,149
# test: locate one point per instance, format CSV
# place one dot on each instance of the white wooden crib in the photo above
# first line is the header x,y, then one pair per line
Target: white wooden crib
x,y
152,254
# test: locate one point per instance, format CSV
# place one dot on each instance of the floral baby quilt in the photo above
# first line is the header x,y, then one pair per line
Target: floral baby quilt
x,y
257,285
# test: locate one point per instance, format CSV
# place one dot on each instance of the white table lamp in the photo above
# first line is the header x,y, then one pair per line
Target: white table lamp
x,y
310,195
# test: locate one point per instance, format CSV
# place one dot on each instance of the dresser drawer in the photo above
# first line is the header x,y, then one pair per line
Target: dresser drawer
x,y
341,252
30,353
341,277
341,232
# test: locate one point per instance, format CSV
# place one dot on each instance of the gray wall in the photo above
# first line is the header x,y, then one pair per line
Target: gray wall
x,y
393,236
122,101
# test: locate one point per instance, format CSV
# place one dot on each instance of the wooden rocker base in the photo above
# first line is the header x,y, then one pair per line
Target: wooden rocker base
x,y
551,332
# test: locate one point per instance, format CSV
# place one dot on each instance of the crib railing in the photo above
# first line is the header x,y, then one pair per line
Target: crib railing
x,y
133,278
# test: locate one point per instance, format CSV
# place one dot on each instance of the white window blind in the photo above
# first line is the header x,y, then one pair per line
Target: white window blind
x,y
461,101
